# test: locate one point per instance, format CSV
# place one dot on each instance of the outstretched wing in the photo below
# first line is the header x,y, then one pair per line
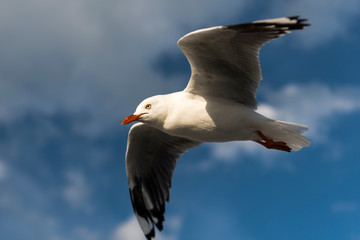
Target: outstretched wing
x,y
225,60
150,161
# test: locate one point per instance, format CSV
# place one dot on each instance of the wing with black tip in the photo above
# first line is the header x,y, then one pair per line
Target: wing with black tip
x,y
150,161
225,60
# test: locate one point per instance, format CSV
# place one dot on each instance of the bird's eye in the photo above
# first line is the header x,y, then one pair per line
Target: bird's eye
x,y
148,106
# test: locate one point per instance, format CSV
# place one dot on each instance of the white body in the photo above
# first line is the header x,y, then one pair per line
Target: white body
x,y
217,105
218,120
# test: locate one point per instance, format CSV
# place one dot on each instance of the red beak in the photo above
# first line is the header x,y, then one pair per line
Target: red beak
x,y
130,119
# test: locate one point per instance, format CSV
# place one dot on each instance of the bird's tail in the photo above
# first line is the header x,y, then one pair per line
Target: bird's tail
x,y
289,133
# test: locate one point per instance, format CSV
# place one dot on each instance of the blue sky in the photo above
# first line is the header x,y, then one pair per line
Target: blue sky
x,y
70,71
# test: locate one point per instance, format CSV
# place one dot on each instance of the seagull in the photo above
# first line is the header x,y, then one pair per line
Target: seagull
x,y
217,105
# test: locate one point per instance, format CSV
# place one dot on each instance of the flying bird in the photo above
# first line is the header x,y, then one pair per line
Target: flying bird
x,y
217,105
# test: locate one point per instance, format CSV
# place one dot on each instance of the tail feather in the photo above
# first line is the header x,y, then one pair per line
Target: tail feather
x,y
290,133
293,126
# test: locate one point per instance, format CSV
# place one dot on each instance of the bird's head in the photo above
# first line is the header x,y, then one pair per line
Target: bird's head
x,y
151,111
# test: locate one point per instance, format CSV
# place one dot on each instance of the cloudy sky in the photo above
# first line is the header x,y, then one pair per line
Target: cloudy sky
x,y
71,70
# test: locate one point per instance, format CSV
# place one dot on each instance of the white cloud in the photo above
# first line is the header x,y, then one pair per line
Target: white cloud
x,y
314,105
228,150
344,207
83,233
95,57
32,207
130,230
354,236
77,191
25,205
335,20
91,56
233,152
3,170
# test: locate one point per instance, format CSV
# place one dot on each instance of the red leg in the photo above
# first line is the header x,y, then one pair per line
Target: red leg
x,y
271,144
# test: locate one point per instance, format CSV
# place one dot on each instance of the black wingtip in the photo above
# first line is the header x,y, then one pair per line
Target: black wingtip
x,y
279,27
150,235
300,21
154,216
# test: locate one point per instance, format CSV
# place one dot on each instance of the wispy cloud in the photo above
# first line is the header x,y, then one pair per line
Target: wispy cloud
x,y
77,191
89,57
3,170
25,206
315,105
83,233
344,207
128,230
336,20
